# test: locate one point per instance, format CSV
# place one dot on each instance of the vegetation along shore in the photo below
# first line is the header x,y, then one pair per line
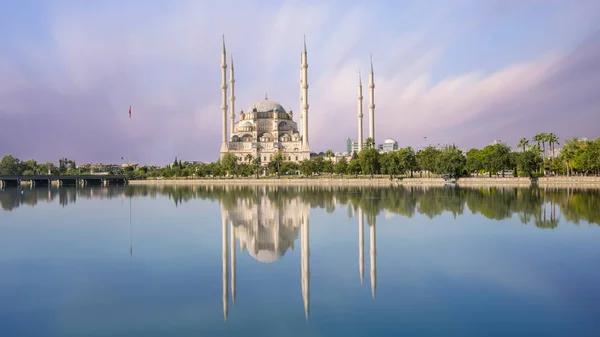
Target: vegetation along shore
x,y
536,159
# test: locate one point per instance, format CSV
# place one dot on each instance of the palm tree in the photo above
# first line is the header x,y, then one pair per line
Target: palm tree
x,y
249,157
523,143
552,140
369,143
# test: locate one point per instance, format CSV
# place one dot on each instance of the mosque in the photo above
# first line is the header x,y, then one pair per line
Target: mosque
x,y
265,229
266,128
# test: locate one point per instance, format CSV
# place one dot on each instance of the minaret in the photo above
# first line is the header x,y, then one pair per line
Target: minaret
x,y
373,253
232,99
305,265
372,103
304,99
224,146
361,245
232,253
360,114
225,263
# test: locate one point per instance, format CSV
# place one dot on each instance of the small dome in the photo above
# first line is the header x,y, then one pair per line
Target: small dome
x,y
390,141
266,106
246,124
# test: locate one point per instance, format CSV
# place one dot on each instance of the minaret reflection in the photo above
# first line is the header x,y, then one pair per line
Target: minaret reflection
x,y
361,245
373,254
305,256
371,221
225,265
265,226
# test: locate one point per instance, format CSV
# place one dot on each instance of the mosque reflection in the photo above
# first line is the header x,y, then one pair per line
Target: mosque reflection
x,y
266,228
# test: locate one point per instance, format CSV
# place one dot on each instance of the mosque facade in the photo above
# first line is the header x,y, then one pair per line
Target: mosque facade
x,y
265,128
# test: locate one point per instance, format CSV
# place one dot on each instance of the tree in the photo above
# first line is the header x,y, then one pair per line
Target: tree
x,y
427,159
407,160
496,158
369,143
354,166
523,143
528,161
390,163
341,166
318,165
256,166
274,164
229,163
451,160
369,161
306,167
328,166
10,165
474,160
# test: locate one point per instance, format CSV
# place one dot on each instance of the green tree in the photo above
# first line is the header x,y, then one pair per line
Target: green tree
x,y
528,161
407,160
274,165
10,165
354,166
523,144
256,166
451,160
306,167
496,158
474,160
341,166
229,163
390,163
369,161
427,159
369,143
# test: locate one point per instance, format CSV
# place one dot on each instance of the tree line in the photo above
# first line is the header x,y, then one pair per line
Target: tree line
x,y
532,157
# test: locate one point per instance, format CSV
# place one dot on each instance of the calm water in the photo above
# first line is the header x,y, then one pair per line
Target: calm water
x,y
216,261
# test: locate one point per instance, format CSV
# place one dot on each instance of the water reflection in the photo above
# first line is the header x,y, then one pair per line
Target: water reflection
x,y
542,207
265,228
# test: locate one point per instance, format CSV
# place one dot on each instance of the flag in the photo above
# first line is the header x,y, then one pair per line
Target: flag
x,y
130,112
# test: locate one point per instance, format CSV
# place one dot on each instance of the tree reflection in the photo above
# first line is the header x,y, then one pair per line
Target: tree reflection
x,y
542,207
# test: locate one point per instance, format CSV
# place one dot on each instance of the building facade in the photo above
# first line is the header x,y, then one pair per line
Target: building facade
x,y
266,128
388,145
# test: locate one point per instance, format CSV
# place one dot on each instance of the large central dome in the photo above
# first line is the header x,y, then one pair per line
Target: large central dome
x,y
266,106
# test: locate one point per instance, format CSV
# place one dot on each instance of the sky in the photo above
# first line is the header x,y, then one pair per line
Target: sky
x,y
466,72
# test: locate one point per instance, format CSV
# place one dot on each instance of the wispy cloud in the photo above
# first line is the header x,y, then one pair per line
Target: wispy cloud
x,y
65,90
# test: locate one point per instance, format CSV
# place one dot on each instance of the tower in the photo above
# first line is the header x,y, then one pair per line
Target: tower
x,y
232,99
224,146
372,104
360,114
304,100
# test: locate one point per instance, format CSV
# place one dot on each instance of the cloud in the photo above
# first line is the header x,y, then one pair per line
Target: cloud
x,y
66,92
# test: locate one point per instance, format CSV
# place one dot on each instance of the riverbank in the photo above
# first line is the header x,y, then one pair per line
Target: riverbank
x,y
593,182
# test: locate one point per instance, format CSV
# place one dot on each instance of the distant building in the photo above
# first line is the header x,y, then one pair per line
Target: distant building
x,y
349,144
498,141
388,145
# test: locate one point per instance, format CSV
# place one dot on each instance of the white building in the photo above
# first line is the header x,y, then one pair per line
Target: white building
x,y
266,128
388,145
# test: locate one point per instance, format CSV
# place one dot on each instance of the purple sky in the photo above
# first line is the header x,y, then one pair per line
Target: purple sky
x,y
464,72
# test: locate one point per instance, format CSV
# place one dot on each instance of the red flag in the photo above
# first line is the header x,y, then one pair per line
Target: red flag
x,y
130,112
